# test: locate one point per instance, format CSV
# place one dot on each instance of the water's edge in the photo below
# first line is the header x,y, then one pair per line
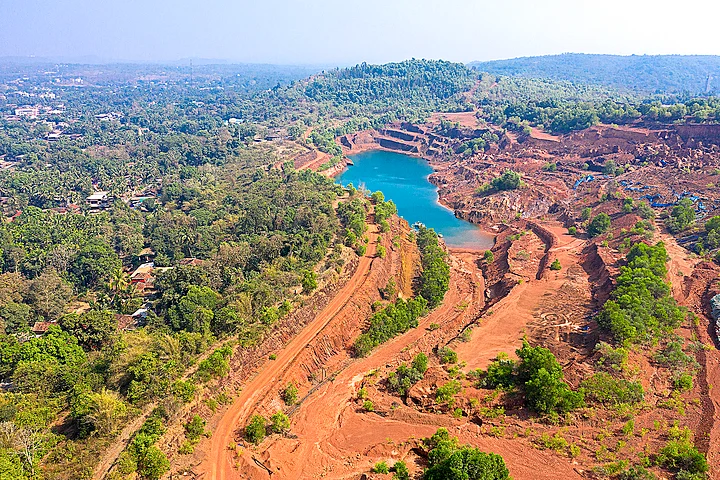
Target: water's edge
x,y
405,180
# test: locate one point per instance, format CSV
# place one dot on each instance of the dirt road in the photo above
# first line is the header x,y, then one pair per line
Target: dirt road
x,y
219,463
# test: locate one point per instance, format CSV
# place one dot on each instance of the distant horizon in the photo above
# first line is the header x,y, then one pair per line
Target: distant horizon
x,y
201,61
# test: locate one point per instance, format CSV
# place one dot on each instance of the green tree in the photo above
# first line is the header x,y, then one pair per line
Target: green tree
x,y
95,262
255,430
279,422
49,295
599,225
94,329
309,281
509,180
681,216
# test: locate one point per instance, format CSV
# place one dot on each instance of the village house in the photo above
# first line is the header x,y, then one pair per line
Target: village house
x,y
98,200
27,111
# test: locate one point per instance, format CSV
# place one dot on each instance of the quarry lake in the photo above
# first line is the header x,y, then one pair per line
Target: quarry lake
x,y
404,180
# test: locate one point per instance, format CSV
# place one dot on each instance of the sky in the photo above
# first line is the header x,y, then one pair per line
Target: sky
x,y
346,32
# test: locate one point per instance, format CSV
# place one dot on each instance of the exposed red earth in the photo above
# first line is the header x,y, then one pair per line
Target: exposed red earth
x,y
489,308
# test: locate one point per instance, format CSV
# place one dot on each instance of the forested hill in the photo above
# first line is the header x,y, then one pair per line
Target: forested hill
x,y
649,73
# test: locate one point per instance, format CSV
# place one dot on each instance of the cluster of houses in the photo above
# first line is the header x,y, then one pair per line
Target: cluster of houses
x,y
32,112
143,278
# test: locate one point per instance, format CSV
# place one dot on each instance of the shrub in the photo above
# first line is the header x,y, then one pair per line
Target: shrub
x,y
401,471
683,382
673,356
255,431
447,355
586,213
279,422
613,359
290,394
645,211
603,388
599,225
681,216
216,365
195,428
541,375
556,442
636,472
488,256
448,460
445,393
393,320
500,373
368,406
405,377
309,281
184,390
380,467
435,277
509,180
572,230
555,265
682,457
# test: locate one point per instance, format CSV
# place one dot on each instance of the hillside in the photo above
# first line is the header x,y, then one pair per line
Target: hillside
x,y
648,73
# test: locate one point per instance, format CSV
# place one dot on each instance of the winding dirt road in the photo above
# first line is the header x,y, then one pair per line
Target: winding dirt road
x,y
219,461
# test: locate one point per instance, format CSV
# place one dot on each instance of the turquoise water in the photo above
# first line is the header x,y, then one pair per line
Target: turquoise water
x,y
404,180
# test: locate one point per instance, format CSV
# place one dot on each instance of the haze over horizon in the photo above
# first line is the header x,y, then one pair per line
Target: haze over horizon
x,y
320,32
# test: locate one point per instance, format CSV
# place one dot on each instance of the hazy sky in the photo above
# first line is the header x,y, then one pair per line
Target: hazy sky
x,y
346,32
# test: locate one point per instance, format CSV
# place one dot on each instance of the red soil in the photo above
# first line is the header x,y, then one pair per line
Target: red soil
x,y
218,464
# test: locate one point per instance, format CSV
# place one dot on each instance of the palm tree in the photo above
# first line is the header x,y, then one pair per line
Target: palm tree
x,y
118,283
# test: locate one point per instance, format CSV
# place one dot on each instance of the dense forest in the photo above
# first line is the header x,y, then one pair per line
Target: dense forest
x,y
695,74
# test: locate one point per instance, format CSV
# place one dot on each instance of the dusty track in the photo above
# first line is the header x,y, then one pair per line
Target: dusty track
x,y
219,462
335,439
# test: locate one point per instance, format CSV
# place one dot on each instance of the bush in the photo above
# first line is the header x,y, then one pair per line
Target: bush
x,y
603,388
445,393
555,265
636,472
509,180
435,277
683,382
599,225
500,373
255,431
613,359
682,456
488,256
215,366
309,281
541,375
681,216
380,467
290,394
572,230
391,321
448,460
447,355
401,471
405,377
279,422
185,391
195,428
368,406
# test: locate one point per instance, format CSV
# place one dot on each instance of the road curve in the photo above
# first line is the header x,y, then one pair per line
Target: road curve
x,y
218,465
